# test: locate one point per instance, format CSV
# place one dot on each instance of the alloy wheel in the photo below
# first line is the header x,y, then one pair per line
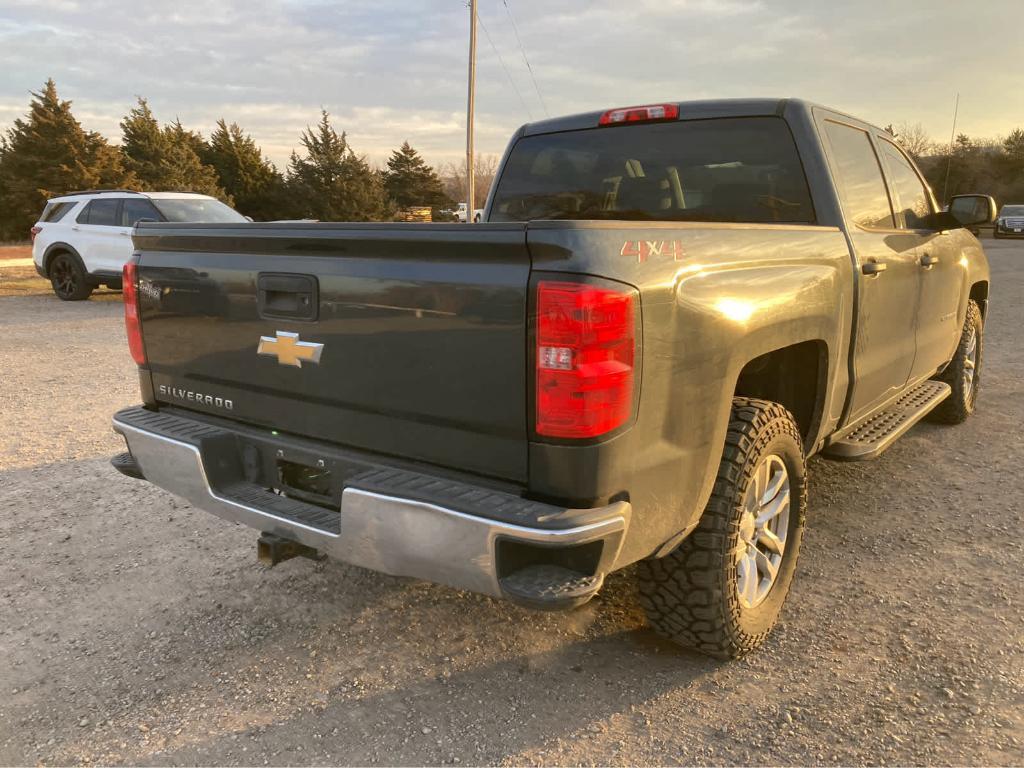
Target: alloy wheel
x,y
764,527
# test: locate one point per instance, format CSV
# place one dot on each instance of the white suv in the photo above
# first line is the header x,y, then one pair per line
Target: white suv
x,y
83,239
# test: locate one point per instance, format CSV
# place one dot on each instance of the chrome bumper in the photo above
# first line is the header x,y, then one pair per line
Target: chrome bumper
x,y
390,534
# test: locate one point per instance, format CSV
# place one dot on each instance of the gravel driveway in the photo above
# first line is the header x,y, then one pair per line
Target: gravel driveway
x,y
135,629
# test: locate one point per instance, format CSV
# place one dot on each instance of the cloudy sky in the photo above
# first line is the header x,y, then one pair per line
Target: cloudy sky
x,y
395,70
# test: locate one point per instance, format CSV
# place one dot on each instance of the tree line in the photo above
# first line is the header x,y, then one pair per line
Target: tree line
x,y
48,152
968,165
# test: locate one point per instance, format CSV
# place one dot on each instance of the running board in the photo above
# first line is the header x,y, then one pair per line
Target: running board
x,y
880,431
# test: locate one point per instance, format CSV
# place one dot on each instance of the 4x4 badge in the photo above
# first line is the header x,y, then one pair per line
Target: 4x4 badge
x,y
288,350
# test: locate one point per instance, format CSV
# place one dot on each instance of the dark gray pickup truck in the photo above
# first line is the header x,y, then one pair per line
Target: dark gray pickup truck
x,y
667,309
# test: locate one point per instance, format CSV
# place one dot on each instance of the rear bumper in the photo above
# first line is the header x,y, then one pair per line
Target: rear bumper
x,y
390,520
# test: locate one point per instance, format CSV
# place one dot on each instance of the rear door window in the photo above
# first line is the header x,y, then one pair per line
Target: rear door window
x,y
104,213
859,177
914,199
725,169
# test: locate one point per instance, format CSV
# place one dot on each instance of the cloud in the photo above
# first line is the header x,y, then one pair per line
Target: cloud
x,y
391,70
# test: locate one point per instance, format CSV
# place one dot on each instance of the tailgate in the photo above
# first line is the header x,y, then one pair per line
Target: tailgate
x,y
422,327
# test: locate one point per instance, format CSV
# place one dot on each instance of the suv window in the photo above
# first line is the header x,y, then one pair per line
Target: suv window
x,y
725,169
202,210
859,177
101,212
138,208
911,192
55,211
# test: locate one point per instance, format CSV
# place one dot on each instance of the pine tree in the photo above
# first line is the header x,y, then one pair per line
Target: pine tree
x,y
410,181
48,153
144,145
166,159
255,184
184,168
332,183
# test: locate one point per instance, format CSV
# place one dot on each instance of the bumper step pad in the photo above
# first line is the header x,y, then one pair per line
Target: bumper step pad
x,y
550,587
880,431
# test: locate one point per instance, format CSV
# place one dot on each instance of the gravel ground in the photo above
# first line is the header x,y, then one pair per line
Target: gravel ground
x,y
135,629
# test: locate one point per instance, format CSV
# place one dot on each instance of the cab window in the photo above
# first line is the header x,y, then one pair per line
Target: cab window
x,y
722,169
912,195
859,177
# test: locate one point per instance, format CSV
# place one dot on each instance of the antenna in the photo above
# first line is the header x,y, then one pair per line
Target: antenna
x,y
952,137
470,176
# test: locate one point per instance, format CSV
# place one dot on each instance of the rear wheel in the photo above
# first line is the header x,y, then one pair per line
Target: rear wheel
x,y
721,591
68,279
963,374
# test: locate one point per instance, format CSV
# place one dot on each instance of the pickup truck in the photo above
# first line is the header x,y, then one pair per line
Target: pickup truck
x,y
667,309
462,211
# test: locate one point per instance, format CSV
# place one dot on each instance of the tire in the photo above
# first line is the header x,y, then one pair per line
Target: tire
x,y
963,374
68,278
693,595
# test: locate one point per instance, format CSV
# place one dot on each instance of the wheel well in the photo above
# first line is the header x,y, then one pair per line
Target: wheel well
x,y
54,252
979,293
792,376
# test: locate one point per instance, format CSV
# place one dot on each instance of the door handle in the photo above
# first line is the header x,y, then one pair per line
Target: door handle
x,y
125,234
74,229
873,267
928,260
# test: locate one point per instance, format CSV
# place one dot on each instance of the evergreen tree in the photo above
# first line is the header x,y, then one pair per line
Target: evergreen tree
x,y
410,181
255,184
144,145
48,153
185,170
332,183
166,159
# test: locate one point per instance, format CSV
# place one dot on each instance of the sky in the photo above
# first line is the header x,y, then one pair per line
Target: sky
x,y
390,71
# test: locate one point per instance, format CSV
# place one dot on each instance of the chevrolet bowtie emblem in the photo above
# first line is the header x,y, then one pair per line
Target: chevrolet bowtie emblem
x,y
288,350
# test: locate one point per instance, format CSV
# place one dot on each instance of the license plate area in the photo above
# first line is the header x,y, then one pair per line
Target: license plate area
x,y
313,484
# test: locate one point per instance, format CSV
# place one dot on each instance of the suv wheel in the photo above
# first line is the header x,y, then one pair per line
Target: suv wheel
x,y
721,590
963,374
68,278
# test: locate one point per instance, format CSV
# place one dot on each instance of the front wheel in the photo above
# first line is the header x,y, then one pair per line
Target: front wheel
x,y
963,374
721,591
68,278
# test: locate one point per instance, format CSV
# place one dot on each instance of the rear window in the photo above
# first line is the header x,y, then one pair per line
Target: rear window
x,y
197,210
55,211
727,169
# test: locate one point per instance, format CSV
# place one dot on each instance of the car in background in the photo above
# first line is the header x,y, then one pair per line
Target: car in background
x,y
462,208
83,239
1009,221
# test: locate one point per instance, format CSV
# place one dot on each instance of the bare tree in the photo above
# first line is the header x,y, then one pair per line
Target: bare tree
x,y
913,138
453,176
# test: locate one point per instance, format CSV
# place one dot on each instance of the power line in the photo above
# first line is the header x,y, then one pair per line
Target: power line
x,y
502,62
515,28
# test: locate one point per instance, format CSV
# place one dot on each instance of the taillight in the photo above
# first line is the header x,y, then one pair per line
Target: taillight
x,y
130,293
585,348
35,231
645,114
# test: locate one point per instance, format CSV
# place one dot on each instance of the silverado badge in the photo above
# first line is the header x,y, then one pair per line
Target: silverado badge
x,y
288,350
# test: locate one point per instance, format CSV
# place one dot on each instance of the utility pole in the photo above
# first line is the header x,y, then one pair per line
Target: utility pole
x,y
470,176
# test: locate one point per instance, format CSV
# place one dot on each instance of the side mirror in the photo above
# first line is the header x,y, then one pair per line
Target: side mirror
x,y
972,210
249,219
